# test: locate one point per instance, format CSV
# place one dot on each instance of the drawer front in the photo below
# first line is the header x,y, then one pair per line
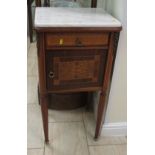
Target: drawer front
x,y
75,39
74,69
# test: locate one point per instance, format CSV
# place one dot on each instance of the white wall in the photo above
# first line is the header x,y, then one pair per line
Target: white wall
x,y
117,106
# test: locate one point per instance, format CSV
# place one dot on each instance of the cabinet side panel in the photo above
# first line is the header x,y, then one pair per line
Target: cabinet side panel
x,y
41,62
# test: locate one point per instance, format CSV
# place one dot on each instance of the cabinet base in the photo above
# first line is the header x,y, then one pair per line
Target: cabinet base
x,y
66,101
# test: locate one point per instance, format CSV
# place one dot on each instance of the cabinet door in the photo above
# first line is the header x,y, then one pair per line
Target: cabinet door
x,y
73,69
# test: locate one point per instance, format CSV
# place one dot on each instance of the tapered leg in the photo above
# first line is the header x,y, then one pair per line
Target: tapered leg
x,y
30,21
100,115
44,110
38,2
38,95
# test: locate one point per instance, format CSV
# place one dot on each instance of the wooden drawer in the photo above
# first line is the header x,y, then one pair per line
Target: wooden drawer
x,y
76,39
74,69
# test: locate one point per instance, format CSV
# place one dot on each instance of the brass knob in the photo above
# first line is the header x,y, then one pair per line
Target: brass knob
x,y
51,74
61,41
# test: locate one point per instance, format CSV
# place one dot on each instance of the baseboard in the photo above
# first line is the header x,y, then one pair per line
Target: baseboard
x,y
114,129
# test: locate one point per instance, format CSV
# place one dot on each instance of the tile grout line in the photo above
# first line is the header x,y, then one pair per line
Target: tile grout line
x,y
35,148
36,76
85,132
32,103
106,145
66,121
44,148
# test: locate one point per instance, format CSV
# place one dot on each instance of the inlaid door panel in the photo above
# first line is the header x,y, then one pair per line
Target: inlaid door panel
x,y
75,68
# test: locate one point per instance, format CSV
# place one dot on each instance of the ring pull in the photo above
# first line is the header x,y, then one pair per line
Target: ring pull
x,y
51,75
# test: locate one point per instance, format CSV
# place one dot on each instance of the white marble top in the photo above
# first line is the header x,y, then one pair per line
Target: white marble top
x,y
73,17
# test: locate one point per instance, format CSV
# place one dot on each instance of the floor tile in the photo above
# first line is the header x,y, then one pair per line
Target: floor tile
x,y
28,45
32,66
65,115
35,138
67,139
32,90
90,125
35,152
108,150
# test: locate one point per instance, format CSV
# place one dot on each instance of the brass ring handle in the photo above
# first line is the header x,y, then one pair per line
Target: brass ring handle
x,y
51,74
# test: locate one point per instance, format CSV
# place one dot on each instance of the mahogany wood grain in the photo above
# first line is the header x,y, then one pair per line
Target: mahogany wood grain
x,y
78,29
69,90
41,62
44,110
75,69
101,107
76,39
59,48
43,96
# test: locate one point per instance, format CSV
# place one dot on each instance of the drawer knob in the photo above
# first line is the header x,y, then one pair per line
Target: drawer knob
x,y
51,75
61,41
78,42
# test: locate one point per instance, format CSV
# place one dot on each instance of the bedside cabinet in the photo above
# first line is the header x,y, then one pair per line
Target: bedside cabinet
x,y
76,53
